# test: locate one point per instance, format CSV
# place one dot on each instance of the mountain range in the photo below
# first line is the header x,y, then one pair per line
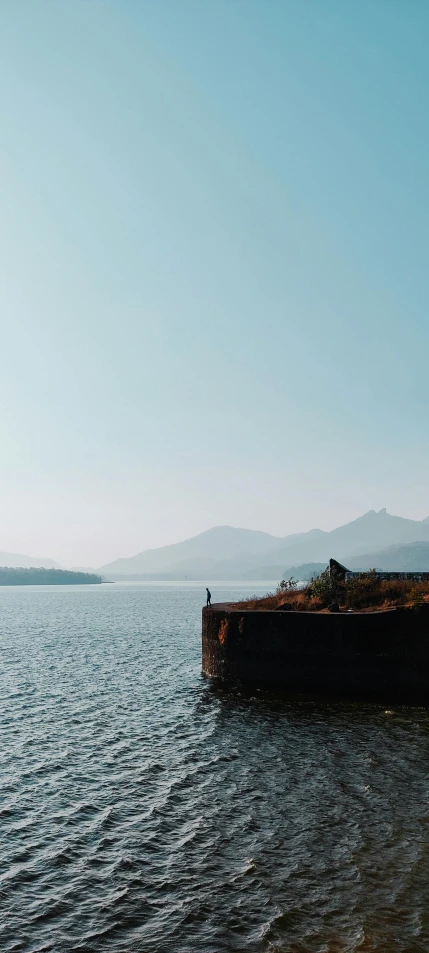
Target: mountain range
x,y
376,539
226,552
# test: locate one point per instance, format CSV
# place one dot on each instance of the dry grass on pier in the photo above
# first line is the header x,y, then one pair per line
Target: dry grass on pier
x,y
365,593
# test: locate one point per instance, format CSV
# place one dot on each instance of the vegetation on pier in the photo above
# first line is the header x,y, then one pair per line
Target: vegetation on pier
x,y
329,592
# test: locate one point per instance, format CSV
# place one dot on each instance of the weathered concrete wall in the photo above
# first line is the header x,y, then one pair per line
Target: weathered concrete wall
x,y
365,655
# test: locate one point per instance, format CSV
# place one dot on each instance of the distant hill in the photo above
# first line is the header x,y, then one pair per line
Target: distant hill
x,y
86,569
220,544
371,532
408,558
15,560
302,573
226,552
46,577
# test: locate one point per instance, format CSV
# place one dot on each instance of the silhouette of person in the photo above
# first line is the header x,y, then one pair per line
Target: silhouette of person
x,y
209,597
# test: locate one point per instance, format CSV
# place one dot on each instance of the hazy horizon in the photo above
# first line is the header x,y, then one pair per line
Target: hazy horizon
x,y
213,278
169,542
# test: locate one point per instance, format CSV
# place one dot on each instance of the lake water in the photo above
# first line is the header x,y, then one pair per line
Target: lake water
x,y
143,809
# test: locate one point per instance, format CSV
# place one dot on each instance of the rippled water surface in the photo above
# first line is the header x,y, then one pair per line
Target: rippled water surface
x,y
144,809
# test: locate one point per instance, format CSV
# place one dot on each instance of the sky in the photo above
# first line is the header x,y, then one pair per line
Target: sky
x,y
214,280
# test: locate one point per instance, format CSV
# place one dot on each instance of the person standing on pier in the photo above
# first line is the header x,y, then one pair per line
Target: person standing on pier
x,y
209,597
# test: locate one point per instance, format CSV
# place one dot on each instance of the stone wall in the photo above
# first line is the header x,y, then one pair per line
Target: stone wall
x,y
365,655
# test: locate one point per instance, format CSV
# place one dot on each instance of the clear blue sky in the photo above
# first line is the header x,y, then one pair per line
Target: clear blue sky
x,y
214,278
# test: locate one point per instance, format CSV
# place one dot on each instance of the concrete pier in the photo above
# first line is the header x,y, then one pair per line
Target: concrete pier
x,y
368,655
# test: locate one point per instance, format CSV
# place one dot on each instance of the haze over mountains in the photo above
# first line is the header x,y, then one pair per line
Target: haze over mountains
x,y
407,558
225,552
376,539
19,561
